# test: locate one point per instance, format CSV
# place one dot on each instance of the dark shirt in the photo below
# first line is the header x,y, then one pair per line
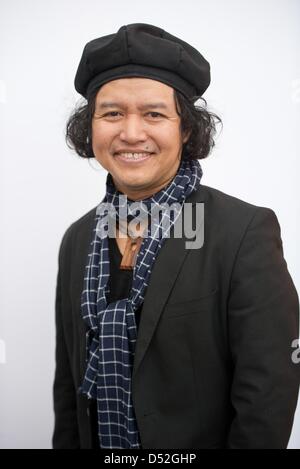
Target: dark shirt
x,y
120,282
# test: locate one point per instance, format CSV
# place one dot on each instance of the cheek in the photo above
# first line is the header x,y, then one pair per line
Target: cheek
x,y
166,141
101,137
170,137
98,130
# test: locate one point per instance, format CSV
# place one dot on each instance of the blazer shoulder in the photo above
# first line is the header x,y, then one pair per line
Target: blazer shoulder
x,y
81,225
84,220
222,201
233,214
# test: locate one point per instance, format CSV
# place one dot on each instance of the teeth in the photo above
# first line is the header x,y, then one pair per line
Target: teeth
x,y
133,156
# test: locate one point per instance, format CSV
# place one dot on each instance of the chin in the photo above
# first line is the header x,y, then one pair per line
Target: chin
x,y
135,180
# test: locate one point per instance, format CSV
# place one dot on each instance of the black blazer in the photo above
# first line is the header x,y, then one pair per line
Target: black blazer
x,y
213,366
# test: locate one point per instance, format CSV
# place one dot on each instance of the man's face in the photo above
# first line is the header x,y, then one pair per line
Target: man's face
x,y
137,114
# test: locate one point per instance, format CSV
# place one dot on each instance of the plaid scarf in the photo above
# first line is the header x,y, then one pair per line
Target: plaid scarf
x,y
112,331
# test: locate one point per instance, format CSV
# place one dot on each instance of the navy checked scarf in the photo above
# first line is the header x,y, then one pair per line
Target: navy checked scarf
x,y
112,331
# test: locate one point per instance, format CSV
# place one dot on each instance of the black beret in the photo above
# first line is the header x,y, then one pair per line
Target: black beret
x,y
142,50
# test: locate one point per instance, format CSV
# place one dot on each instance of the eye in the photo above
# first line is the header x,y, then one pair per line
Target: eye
x,y
156,114
110,114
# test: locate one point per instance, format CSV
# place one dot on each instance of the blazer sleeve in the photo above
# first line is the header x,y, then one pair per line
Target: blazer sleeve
x,y
66,434
263,315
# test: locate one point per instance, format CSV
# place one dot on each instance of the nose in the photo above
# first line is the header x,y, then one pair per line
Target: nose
x,y
133,129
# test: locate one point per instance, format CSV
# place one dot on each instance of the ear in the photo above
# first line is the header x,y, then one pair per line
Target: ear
x,y
186,136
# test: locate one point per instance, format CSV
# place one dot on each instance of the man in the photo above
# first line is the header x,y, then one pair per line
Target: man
x,y
158,345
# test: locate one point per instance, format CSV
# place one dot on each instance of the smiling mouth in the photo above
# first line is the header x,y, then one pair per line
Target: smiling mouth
x,y
133,157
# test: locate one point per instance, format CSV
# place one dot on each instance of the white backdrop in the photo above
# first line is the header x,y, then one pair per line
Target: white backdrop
x,y
253,49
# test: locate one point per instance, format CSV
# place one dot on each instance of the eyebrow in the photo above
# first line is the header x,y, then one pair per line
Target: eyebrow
x,y
107,104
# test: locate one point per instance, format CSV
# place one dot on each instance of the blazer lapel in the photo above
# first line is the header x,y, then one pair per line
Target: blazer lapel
x,y
165,270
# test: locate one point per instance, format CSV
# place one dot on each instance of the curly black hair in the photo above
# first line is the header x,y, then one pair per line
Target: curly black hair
x,y
196,121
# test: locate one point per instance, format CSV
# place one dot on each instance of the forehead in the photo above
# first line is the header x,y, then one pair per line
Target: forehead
x,y
135,91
